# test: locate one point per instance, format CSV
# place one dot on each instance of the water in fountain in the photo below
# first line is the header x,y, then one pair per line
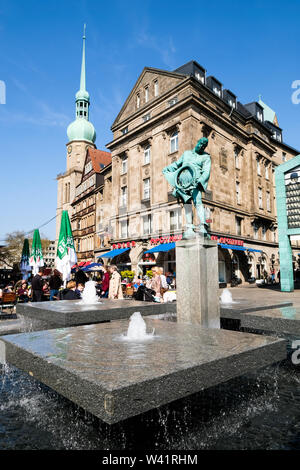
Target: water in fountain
x,y
137,328
89,294
226,297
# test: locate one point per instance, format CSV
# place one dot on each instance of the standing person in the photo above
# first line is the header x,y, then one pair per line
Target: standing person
x,y
164,284
115,287
272,275
37,286
155,283
104,283
55,282
80,276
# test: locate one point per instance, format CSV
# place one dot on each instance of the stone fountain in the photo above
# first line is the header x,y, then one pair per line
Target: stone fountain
x,y
115,375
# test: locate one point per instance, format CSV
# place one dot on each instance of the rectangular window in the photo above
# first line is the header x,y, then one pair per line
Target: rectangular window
x,y
238,225
146,94
267,172
175,219
146,189
123,196
268,201
147,155
283,156
255,230
156,90
124,166
258,167
237,158
147,224
260,200
174,142
237,192
124,228
125,130
138,100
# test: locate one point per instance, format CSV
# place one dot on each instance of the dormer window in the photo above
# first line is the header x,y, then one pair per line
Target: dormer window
x,y
259,115
217,90
230,98
214,85
199,77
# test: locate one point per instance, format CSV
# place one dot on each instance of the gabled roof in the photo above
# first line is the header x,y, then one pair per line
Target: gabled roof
x,y
137,84
98,158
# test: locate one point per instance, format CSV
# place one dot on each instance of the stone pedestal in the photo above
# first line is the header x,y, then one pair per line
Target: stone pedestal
x,y
197,282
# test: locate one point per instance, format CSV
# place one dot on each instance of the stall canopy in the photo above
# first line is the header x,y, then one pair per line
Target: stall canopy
x,y
113,253
163,247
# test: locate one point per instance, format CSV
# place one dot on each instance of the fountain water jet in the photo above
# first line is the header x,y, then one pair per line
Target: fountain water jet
x,y
137,329
226,297
89,294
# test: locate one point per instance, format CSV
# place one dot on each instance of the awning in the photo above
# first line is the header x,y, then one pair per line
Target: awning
x,y
113,253
92,267
237,247
162,247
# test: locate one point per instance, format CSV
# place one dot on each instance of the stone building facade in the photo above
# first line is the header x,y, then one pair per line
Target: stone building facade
x,y
164,115
83,214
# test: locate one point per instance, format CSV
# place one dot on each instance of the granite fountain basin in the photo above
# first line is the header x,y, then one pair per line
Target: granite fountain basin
x,y
114,379
64,313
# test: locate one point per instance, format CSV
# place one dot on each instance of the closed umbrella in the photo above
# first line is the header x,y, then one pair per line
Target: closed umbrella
x,y
65,256
36,258
24,264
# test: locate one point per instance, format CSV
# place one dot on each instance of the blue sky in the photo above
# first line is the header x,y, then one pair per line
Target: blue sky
x,y
251,47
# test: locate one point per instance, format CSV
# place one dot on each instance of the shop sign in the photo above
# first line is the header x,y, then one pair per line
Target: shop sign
x,y
228,241
169,239
123,245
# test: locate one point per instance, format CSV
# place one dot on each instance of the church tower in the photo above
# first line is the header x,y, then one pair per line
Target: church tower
x,y
81,135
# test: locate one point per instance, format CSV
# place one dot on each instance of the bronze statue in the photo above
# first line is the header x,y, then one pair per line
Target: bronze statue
x,y
189,176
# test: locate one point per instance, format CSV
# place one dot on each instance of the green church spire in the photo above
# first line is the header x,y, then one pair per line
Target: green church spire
x,y
81,128
82,76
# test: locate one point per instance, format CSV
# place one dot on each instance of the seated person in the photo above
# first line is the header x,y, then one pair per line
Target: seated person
x,y
70,292
8,289
22,292
79,289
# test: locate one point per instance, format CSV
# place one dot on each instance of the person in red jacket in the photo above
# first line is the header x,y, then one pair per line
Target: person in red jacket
x,y
105,282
